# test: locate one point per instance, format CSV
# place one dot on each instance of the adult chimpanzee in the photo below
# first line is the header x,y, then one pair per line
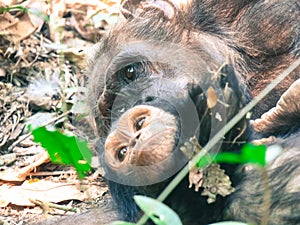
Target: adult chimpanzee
x,y
172,70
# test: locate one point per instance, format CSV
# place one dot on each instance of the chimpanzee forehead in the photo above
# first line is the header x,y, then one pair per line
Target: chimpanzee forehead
x,y
131,39
143,29
152,27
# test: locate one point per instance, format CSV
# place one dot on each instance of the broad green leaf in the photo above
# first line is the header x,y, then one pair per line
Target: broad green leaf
x,y
65,149
255,154
158,212
229,157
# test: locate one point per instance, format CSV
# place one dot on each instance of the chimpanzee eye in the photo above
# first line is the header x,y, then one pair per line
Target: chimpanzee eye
x,y
130,72
122,154
140,123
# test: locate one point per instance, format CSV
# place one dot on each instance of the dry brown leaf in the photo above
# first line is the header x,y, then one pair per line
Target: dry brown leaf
x,y
212,98
215,182
41,190
7,21
195,178
21,174
77,56
16,29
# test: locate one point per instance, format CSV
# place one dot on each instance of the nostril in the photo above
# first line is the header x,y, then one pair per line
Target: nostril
x,y
138,136
139,124
134,140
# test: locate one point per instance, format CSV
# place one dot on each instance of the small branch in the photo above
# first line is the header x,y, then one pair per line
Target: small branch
x,y
54,173
47,205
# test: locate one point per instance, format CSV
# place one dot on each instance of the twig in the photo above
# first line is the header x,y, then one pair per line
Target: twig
x,y
47,205
267,195
54,173
219,136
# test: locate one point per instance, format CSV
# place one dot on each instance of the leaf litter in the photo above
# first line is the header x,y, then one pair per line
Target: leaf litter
x,y
43,47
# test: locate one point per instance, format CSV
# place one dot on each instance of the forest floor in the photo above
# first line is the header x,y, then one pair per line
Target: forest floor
x,y
43,46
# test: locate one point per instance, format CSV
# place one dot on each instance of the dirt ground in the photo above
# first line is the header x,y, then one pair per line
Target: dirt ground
x,y
43,46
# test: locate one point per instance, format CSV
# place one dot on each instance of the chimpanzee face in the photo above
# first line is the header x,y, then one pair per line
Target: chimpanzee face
x,y
149,97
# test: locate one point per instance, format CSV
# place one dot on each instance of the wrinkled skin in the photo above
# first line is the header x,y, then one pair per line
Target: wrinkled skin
x,y
171,70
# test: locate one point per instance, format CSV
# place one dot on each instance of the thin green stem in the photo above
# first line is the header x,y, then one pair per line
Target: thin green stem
x,y
219,136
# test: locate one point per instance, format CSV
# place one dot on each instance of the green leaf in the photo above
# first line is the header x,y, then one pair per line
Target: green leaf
x,y
254,154
229,157
65,149
12,8
158,212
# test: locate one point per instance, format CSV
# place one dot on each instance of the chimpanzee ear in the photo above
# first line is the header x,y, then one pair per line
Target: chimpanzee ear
x,y
133,8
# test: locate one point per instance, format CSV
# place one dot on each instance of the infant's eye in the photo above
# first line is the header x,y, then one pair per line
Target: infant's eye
x,y
122,154
130,72
139,124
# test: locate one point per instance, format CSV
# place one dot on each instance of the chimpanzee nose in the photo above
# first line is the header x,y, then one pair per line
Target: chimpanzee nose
x,y
135,138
